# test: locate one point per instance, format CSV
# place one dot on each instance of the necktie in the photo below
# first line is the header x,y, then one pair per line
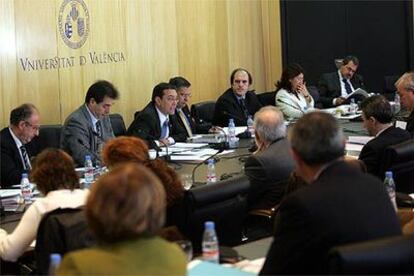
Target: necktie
x,y
99,128
26,161
243,107
164,130
347,86
186,124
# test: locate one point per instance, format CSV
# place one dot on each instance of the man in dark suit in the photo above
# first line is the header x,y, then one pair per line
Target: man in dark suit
x,y
86,130
16,148
236,102
334,87
340,204
269,168
156,123
405,87
377,119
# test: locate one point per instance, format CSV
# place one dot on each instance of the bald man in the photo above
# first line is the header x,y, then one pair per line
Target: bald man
x,y
405,87
269,168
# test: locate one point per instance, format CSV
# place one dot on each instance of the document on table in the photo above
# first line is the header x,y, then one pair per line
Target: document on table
x,y
361,140
353,147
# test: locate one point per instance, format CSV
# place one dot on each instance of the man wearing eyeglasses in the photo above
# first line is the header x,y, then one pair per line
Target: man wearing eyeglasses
x,y
334,87
16,148
237,102
156,123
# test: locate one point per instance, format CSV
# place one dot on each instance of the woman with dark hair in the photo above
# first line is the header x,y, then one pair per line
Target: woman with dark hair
x,y
132,149
125,211
292,96
55,177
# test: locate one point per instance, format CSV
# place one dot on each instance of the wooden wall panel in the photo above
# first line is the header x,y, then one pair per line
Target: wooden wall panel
x,y
200,40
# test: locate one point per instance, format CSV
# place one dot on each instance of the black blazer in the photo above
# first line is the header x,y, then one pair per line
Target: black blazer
x,y
268,172
147,126
330,87
342,206
228,107
187,113
372,154
11,163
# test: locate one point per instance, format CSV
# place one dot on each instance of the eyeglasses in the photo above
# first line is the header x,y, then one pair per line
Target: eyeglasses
x,y
186,95
34,127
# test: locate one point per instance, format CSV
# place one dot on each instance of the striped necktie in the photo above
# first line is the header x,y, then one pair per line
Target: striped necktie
x,y
185,121
347,86
26,161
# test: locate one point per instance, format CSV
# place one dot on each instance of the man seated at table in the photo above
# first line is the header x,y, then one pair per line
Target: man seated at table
x,y
405,87
16,148
377,118
156,123
340,204
182,112
269,168
236,102
87,129
334,87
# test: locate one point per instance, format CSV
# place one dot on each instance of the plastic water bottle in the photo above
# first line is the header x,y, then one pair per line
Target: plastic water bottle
x,y
232,134
55,260
211,171
25,189
397,103
89,169
210,243
353,107
390,185
250,127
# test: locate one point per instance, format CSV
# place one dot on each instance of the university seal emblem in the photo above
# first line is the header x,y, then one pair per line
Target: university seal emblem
x,y
73,23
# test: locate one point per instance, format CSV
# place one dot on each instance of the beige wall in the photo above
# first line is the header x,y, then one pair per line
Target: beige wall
x,y
202,40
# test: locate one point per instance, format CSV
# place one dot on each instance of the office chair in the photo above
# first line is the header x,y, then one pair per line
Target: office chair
x,y
203,112
392,255
118,125
224,203
49,137
267,98
61,231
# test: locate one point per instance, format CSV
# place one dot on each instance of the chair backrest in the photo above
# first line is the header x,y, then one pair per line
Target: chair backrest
x,y
203,112
267,98
224,203
61,231
400,160
49,137
393,255
118,124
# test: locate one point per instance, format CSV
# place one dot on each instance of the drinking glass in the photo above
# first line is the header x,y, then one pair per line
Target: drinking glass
x,y
187,181
187,248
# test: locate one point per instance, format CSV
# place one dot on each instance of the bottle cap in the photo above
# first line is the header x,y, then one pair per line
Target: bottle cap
x,y
55,258
209,225
231,120
210,161
87,157
388,174
24,175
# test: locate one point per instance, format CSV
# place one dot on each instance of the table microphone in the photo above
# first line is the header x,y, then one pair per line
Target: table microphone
x,y
202,162
151,142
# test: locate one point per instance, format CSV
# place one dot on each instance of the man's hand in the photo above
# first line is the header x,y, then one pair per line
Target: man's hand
x,y
340,100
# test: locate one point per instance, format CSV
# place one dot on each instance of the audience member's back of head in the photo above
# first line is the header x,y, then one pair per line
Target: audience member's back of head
x,y
377,107
132,149
54,169
269,123
126,203
317,138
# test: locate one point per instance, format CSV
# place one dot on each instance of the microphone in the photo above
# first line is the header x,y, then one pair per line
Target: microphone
x,y
202,162
223,145
167,157
151,142
231,115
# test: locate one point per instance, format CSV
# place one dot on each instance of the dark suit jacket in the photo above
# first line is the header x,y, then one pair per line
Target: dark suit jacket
x,y
228,107
372,154
147,126
268,172
342,206
410,124
187,113
11,163
330,87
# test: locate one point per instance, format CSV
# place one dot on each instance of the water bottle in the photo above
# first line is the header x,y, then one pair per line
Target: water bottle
x,y
89,169
211,171
210,243
25,189
55,260
390,185
397,103
232,134
250,127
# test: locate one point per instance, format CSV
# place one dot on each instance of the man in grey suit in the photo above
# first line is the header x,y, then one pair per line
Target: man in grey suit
x,y
269,168
88,128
